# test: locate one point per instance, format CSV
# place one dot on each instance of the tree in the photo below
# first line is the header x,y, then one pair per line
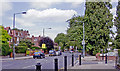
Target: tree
x,y
4,38
61,39
117,24
21,48
49,43
98,21
28,43
23,45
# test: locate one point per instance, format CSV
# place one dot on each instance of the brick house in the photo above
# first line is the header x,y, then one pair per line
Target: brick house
x,y
18,35
35,40
22,35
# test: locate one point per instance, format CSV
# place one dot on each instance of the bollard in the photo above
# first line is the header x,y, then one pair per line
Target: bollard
x,y
72,60
65,61
56,64
38,67
106,59
79,59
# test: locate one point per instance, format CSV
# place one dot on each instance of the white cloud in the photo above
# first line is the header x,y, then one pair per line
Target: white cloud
x,y
114,0
36,20
4,7
25,23
49,15
113,11
115,35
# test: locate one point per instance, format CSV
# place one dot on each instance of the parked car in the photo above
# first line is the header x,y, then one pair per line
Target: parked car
x,y
38,55
58,53
71,51
52,53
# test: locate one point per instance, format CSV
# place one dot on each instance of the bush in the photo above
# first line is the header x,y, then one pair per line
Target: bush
x,y
20,49
80,51
34,48
5,49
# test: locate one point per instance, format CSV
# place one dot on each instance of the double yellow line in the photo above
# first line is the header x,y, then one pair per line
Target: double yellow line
x,y
61,68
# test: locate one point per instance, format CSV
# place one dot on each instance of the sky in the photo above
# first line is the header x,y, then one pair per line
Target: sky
x,y
44,14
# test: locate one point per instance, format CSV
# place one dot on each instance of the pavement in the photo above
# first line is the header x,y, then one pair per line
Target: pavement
x,y
90,62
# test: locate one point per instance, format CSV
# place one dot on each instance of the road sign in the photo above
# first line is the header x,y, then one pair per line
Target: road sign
x,y
83,42
43,46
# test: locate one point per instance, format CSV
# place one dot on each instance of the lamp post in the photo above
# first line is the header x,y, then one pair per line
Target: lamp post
x,y
44,31
83,41
14,32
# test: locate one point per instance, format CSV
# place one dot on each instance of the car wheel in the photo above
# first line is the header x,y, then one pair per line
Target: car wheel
x,y
43,56
34,57
40,57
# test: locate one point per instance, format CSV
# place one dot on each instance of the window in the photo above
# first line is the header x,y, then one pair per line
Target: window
x,y
9,31
35,39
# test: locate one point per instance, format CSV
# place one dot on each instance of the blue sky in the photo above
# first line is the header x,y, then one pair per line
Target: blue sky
x,y
43,15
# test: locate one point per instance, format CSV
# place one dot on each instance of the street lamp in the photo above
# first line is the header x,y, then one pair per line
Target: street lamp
x,y
83,42
14,32
44,31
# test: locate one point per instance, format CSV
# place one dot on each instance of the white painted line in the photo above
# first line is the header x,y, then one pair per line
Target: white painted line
x,y
74,63
28,66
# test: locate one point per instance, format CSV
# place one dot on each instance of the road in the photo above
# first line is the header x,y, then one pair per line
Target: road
x,y
47,63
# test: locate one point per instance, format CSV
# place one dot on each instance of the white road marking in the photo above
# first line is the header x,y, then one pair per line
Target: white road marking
x,y
74,63
28,66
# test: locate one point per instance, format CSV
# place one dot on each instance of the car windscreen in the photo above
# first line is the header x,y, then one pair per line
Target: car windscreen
x,y
37,52
51,51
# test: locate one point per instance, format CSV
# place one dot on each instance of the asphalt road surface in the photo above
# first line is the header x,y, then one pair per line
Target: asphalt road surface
x,y
47,62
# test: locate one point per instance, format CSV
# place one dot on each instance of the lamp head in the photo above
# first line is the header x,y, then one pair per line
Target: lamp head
x,y
49,28
23,12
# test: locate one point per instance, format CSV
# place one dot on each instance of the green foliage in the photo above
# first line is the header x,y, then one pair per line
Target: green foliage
x,y
21,48
97,21
62,40
34,48
10,50
61,37
5,49
23,45
27,43
119,52
4,38
117,24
